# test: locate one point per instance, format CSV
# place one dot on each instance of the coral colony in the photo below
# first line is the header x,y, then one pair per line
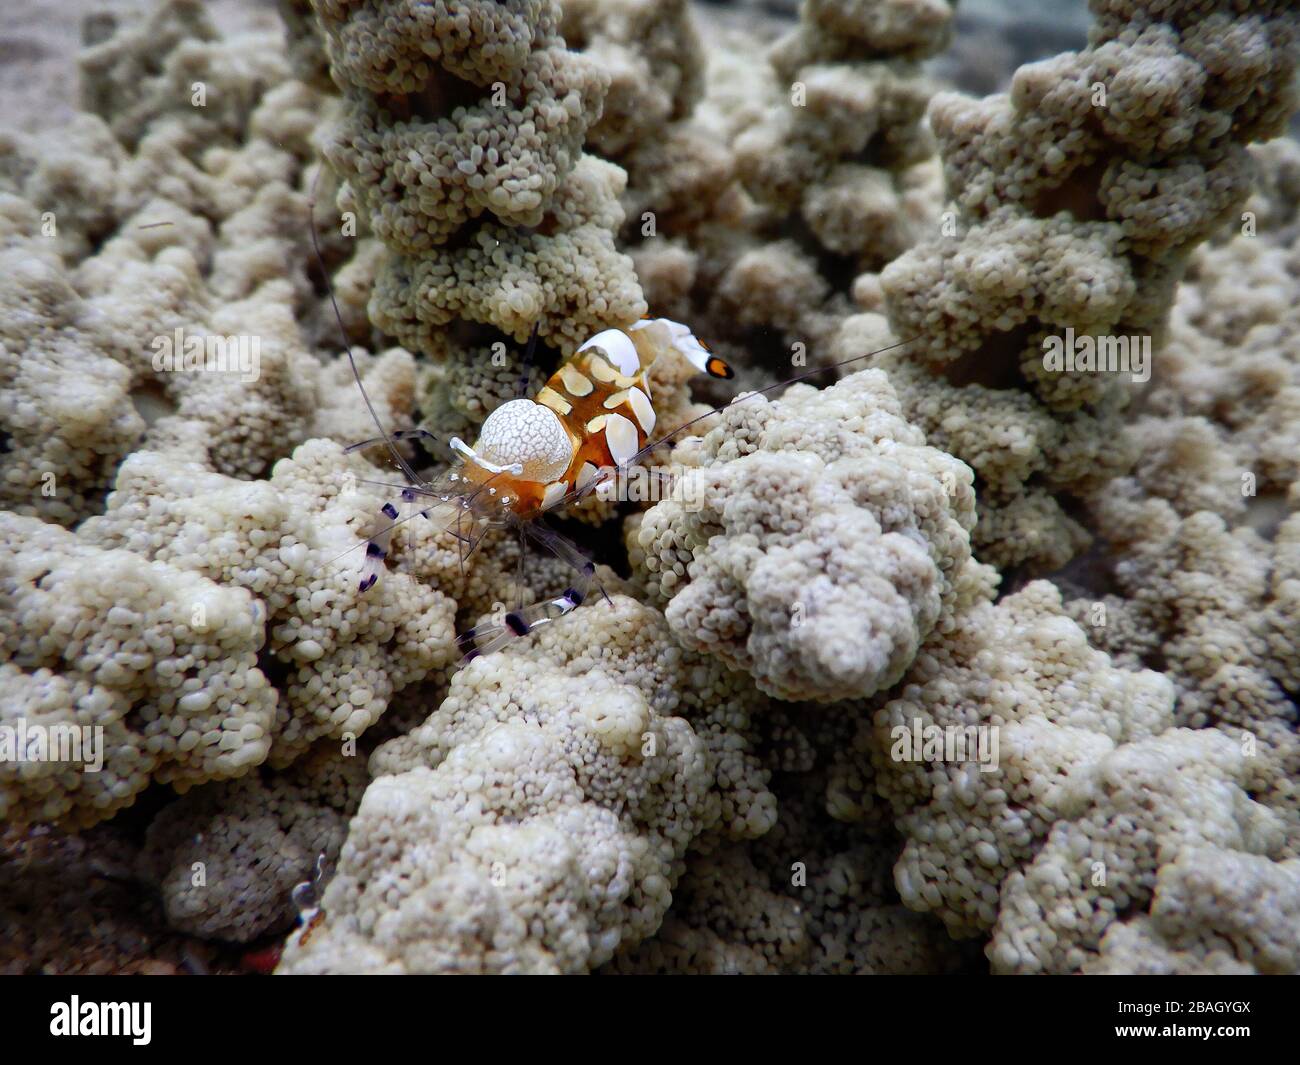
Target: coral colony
x,y
974,649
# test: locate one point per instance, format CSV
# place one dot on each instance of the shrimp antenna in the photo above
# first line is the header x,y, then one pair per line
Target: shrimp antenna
x,y
762,391
343,332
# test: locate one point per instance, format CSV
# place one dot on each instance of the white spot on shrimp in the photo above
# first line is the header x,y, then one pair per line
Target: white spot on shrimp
x,y
528,434
686,343
619,347
555,491
642,408
574,381
620,435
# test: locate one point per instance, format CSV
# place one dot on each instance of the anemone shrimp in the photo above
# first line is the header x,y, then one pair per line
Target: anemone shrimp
x,y
588,424
591,420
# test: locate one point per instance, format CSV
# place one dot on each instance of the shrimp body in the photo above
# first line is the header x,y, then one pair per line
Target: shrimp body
x,y
592,419
594,414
